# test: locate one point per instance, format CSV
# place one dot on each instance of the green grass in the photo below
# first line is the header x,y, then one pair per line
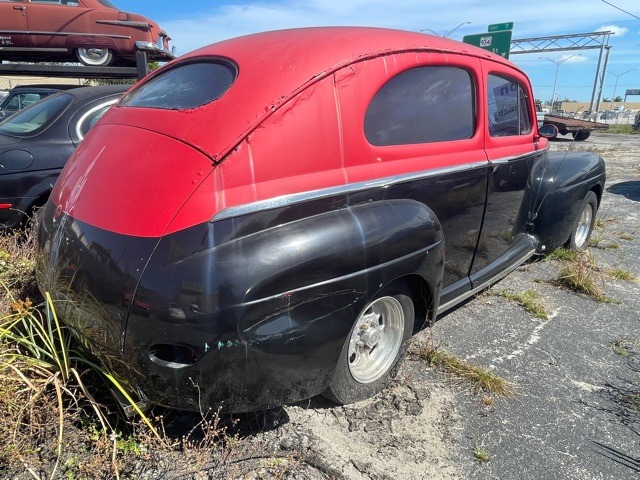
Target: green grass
x,y
530,300
621,274
481,454
619,129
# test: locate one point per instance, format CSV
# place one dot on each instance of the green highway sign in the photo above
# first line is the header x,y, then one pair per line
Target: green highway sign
x,y
496,42
497,27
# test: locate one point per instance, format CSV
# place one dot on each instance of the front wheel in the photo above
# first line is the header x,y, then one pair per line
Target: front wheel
x,y
373,351
583,225
95,57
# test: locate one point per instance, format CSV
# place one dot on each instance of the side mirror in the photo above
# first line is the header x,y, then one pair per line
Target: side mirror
x,y
548,131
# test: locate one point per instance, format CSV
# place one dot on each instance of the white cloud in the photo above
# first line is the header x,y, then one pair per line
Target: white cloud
x,y
618,31
213,22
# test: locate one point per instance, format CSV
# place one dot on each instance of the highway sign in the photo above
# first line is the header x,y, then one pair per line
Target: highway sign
x,y
496,42
497,27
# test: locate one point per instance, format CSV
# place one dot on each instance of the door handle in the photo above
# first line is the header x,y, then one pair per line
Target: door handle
x,y
19,7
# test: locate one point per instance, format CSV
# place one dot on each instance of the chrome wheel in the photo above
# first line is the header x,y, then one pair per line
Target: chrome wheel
x,y
583,228
94,56
376,339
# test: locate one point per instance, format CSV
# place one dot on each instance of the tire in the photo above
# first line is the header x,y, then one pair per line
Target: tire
x,y
95,57
581,135
584,222
373,351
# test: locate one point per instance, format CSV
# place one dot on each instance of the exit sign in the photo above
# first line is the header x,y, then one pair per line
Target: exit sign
x,y
498,27
497,42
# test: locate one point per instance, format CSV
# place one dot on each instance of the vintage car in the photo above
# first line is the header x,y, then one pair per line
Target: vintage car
x,y
282,211
93,32
36,143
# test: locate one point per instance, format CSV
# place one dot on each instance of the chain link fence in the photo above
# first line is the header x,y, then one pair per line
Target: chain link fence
x,y
7,83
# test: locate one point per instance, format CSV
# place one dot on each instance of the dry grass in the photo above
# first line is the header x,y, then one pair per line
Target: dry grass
x,y
479,379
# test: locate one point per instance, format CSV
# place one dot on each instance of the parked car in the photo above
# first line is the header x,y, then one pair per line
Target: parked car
x,y
94,32
24,95
288,208
608,115
36,143
636,122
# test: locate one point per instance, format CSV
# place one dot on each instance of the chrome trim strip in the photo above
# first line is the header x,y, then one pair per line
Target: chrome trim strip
x,y
291,199
61,34
91,112
491,281
25,49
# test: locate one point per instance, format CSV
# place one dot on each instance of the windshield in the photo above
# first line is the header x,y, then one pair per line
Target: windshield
x,y
189,85
36,118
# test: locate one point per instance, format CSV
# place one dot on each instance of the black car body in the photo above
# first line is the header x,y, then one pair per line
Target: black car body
x,y
36,143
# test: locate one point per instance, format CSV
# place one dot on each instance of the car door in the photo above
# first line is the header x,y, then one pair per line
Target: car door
x,y
50,23
13,25
422,122
512,149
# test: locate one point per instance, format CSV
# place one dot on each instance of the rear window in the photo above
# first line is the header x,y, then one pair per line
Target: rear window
x,y
189,85
36,118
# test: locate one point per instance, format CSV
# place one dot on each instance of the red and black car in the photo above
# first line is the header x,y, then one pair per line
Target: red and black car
x,y
282,211
94,32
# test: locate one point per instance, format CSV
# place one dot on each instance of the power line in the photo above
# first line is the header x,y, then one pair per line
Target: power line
x,y
628,13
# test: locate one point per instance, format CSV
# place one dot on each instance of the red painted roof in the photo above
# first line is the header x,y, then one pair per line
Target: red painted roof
x,y
273,67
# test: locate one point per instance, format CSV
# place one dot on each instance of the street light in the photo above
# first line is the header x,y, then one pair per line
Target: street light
x,y
448,33
555,78
613,98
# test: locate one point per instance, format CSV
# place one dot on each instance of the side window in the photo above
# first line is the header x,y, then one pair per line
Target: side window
x,y
422,105
508,107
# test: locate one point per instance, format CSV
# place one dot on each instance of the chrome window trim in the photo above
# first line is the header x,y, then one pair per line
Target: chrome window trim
x,y
82,119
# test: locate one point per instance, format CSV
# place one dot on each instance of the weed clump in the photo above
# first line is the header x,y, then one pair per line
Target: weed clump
x,y
478,378
530,300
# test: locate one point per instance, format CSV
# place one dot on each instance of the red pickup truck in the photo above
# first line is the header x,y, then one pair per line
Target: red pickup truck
x,y
291,206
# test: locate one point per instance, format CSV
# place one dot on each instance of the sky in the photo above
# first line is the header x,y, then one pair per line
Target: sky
x,y
196,23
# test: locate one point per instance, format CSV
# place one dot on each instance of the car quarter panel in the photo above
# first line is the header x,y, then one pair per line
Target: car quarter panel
x,y
259,285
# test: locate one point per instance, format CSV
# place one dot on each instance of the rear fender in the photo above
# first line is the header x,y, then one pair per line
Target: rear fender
x,y
265,290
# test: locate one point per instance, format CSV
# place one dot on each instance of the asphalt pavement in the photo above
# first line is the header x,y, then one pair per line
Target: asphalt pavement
x,y
576,412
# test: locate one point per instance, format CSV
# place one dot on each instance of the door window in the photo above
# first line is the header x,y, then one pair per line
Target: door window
x,y
508,108
422,105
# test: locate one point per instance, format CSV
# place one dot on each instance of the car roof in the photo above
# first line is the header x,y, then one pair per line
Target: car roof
x,y
44,87
273,67
82,93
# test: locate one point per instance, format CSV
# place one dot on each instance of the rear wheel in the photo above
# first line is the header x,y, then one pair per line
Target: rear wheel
x,y
581,135
583,225
95,57
373,351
